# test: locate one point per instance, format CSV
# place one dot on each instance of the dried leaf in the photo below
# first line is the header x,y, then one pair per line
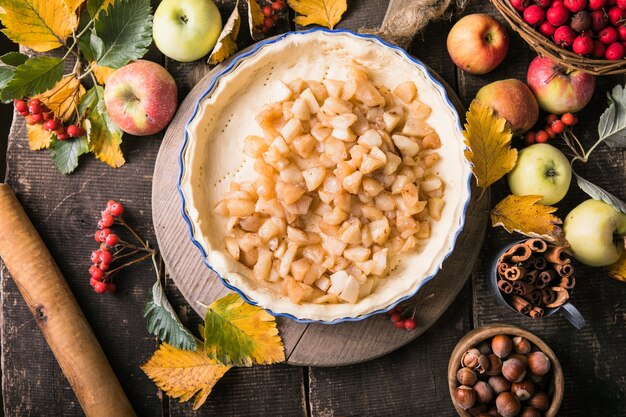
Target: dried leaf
x,y
183,373
237,333
523,215
618,269
64,97
255,19
102,74
227,42
318,12
41,25
38,137
72,5
488,138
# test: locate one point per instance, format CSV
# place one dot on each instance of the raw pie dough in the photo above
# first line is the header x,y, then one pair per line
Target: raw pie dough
x,y
213,157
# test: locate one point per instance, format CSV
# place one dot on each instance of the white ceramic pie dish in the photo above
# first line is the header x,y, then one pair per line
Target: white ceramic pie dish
x,y
212,156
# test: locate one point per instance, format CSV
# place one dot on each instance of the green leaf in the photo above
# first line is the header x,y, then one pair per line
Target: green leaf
x,y
162,321
599,193
65,153
35,76
94,7
96,46
13,59
125,28
612,125
104,136
237,333
6,74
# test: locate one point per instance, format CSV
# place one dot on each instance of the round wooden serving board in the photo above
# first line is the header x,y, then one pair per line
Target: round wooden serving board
x,y
305,344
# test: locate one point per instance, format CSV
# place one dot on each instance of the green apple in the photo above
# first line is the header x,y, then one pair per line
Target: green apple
x,y
541,169
186,30
591,229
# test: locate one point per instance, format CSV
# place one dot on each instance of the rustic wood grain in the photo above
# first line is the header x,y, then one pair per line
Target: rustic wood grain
x,y
592,358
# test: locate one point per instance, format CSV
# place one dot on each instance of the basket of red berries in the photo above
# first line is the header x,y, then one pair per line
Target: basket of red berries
x,y
589,35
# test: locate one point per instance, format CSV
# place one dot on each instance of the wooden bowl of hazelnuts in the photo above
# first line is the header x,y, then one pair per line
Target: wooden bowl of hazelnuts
x,y
504,371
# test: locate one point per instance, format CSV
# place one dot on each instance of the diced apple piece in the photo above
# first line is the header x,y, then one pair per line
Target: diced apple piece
x,y
366,288
336,106
399,184
261,270
232,247
333,246
313,177
313,274
406,91
338,282
254,146
431,159
314,253
371,212
380,230
291,129
304,145
333,87
419,110
297,85
337,216
323,283
431,141
296,235
352,233
357,254
367,94
300,110
343,121
373,161
370,139
280,92
251,223
410,194
345,135
380,261
430,183
435,207
392,118
424,232
350,291
319,90
240,208
352,182
289,193
417,128
287,259
272,227
320,132
385,201
299,269
407,146
291,174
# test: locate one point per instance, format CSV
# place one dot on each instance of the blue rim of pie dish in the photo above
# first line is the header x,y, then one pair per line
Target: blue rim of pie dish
x,y
209,90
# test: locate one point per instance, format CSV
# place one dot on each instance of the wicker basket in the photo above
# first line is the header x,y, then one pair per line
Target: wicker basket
x,y
545,46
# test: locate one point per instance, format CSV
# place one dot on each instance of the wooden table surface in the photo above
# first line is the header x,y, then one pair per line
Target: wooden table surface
x,y
409,382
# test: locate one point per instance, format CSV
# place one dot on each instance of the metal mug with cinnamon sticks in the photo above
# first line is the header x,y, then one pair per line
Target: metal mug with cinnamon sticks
x,y
534,279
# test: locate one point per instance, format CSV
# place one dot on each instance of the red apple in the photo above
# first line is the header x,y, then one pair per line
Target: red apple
x,y
477,43
558,89
141,98
512,100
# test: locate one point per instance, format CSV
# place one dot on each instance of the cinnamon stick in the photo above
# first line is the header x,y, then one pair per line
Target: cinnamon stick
x,y
556,255
518,253
540,263
502,268
534,297
564,270
545,278
548,296
531,276
520,304
536,312
57,313
537,245
522,288
515,273
528,263
505,286
561,297
567,282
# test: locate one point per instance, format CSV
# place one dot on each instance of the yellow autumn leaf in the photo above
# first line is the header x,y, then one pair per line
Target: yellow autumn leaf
x,y
38,137
238,333
227,42
183,373
488,138
72,5
255,19
63,98
618,269
522,214
318,12
41,25
102,74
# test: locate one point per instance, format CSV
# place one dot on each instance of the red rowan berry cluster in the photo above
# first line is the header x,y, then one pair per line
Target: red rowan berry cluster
x,y
113,248
37,112
272,11
555,125
401,319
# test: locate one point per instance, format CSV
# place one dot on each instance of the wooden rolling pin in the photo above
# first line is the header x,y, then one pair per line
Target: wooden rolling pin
x,y
57,313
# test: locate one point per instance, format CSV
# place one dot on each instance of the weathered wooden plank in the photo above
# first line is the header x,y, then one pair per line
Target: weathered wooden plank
x,y
591,358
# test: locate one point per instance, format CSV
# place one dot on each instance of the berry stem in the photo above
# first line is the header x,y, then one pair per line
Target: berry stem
x,y
134,261
130,229
136,248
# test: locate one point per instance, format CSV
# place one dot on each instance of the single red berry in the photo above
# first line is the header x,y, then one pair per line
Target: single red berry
x,y
278,5
96,273
529,138
557,15
599,20
621,31
24,113
81,131
112,239
583,45
93,282
550,132
34,101
399,324
117,209
543,3
533,15
103,234
564,36
611,2
48,115
103,266
519,5
63,136
557,126
546,29
96,236
541,136
608,35
614,51
73,131
50,125
111,287
104,247
107,220
621,4
410,324
100,287
95,256
616,15
575,5
551,118
34,108
396,317
568,119
20,105
596,4
267,11
106,257
268,22
598,49
101,225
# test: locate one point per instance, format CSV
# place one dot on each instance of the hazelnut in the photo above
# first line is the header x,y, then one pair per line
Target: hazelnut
x,y
493,412
466,376
540,401
514,370
465,397
508,405
485,348
484,392
523,358
470,358
477,410
501,345
521,345
499,384
523,390
495,365
483,364
530,412
538,363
